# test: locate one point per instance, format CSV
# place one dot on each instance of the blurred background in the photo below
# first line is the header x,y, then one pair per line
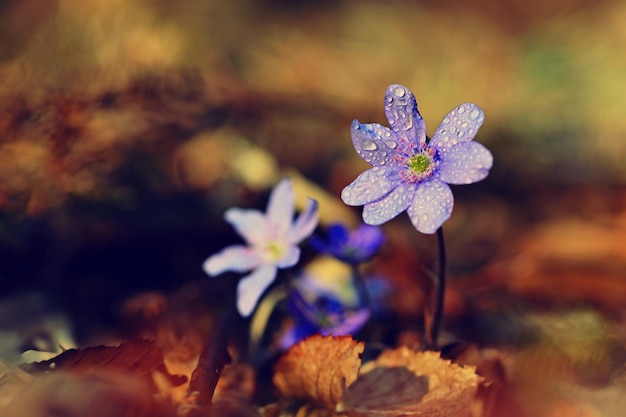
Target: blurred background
x,y
126,129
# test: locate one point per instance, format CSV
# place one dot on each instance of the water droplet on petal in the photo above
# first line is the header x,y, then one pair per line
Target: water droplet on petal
x,y
474,114
399,91
461,109
391,144
369,145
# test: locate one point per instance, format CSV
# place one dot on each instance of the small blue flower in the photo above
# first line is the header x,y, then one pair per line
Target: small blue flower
x,y
352,247
326,315
272,243
410,172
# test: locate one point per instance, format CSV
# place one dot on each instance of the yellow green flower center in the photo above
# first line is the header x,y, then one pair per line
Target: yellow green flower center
x,y
275,251
419,163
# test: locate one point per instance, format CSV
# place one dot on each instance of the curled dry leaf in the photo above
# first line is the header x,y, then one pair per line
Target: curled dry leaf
x,y
403,382
141,358
319,369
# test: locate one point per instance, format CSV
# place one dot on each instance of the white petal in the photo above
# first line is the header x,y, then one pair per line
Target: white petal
x,y
251,288
431,206
250,224
460,125
280,207
465,163
291,257
305,224
233,258
371,185
390,206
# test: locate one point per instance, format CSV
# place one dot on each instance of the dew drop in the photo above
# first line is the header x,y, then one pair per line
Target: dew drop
x,y
464,125
399,91
474,114
461,110
369,145
445,121
391,144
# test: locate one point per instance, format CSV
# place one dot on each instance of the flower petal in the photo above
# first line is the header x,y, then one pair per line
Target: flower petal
x,y
390,206
280,207
373,142
403,116
251,288
431,206
350,323
465,163
371,185
305,224
364,243
460,125
250,224
290,259
233,258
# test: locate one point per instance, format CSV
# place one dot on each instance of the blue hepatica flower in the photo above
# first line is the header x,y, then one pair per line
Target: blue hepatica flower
x,y
326,314
411,172
352,247
272,239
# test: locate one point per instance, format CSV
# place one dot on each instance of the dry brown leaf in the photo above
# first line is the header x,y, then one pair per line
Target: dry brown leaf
x,y
403,382
137,358
319,369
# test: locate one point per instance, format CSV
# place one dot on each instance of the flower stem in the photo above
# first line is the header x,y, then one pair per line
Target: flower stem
x,y
361,288
435,314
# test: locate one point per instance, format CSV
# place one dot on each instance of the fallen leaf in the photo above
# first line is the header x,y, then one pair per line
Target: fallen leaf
x,y
403,382
319,369
137,358
385,391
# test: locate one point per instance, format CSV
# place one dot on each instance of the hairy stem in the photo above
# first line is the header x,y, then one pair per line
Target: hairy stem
x,y
434,316
361,288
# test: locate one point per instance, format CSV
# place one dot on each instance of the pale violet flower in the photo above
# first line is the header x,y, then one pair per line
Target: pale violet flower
x,y
411,172
272,239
